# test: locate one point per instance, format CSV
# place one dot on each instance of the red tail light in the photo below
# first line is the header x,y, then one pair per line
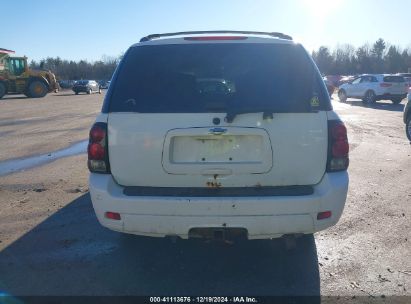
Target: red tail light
x,y
207,38
97,149
324,215
97,133
338,147
385,85
113,215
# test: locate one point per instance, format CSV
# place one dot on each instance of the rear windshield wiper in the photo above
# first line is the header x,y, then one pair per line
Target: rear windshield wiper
x,y
231,114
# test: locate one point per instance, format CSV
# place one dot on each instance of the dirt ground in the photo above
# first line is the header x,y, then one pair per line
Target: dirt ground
x,y
52,244
36,126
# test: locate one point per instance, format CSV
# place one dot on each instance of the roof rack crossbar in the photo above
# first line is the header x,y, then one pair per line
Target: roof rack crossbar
x,y
271,34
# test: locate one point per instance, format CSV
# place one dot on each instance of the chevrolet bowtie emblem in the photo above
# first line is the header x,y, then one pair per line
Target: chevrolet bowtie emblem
x,y
217,131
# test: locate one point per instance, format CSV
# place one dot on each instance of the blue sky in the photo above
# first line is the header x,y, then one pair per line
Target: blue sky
x,y
89,29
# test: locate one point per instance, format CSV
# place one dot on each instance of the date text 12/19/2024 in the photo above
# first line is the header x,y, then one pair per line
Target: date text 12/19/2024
x,y
203,300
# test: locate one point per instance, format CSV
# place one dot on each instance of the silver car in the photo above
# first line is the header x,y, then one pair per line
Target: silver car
x,y
407,117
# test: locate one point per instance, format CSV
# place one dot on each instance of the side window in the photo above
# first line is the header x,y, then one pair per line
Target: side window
x,y
12,66
393,79
365,79
22,65
356,81
374,79
17,66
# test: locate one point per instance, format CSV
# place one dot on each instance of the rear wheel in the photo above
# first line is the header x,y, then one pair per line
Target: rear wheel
x,y
99,90
37,89
408,128
89,91
396,100
342,95
2,89
369,97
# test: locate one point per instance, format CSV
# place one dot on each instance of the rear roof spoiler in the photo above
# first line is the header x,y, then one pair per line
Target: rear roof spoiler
x,y
271,34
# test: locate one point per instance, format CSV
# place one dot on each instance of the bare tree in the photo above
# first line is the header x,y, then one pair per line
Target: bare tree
x,y
381,57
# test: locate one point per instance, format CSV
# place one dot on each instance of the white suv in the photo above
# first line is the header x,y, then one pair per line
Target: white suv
x,y
264,157
371,88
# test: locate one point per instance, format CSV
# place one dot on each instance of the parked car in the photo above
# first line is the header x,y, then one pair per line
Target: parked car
x,y
373,87
329,85
346,79
86,86
407,116
334,80
407,78
264,159
103,84
66,84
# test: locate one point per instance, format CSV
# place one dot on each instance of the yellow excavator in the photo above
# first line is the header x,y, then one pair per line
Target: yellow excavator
x,y
17,78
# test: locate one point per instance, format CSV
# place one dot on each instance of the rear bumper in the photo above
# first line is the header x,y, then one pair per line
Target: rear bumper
x,y
262,217
391,96
80,89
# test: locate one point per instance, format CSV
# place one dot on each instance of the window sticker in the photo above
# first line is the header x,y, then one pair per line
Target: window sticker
x,y
315,102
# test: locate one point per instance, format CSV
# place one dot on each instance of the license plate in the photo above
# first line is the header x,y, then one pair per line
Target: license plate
x,y
224,148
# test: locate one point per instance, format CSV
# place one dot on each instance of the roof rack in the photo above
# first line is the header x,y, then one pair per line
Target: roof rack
x,y
271,34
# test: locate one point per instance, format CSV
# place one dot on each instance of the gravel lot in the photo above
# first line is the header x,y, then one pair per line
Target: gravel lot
x,y
52,244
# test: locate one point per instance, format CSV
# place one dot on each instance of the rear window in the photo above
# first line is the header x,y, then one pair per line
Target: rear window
x,y
193,78
394,79
82,82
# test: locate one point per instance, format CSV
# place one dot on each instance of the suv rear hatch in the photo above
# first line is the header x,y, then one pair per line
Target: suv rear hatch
x,y
395,85
226,114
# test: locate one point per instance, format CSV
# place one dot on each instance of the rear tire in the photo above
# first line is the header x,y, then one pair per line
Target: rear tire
x,y
99,90
396,100
408,128
89,91
342,95
369,97
37,89
2,90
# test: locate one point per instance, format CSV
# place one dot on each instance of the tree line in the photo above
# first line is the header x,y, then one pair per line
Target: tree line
x,y
380,57
73,70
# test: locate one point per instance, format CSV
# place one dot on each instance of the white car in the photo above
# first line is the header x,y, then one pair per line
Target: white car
x,y
407,116
265,159
371,88
407,78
